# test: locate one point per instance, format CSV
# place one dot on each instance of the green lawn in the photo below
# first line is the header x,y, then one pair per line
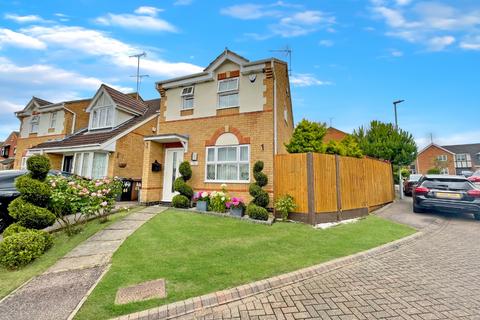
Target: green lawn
x,y
10,280
198,254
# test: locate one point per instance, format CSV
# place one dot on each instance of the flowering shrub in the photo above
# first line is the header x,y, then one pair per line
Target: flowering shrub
x,y
201,196
87,197
218,201
235,203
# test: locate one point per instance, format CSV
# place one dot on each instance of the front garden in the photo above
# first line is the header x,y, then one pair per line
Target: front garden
x,y
199,254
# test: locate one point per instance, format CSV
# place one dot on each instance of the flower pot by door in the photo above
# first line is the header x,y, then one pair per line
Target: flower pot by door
x,y
202,205
238,212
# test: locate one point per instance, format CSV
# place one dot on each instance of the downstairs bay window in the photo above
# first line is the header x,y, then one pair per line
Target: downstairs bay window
x,y
228,164
91,164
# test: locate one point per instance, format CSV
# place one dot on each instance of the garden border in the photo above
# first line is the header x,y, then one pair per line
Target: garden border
x,y
246,218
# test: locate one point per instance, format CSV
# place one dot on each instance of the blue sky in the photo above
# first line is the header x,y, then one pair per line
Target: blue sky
x,y
351,58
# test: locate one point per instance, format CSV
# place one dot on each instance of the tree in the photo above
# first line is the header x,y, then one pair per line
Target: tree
x,y
307,137
381,140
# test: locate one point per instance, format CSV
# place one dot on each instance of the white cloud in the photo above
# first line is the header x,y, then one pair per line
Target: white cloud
x,y
326,43
20,40
24,19
396,53
471,43
7,107
458,138
440,43
145,18
146,10
249,11
96,43
307,80
403,2
182,2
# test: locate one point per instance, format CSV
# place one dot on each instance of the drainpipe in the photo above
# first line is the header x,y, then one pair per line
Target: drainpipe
x,y
275,148
74,118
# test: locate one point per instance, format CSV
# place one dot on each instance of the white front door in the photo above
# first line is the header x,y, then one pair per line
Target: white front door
x,y
173,158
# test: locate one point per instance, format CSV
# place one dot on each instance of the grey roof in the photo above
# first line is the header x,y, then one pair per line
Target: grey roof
x,y
473,149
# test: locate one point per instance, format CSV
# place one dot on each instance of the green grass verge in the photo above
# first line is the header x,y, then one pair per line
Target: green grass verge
x,y
198,254
10,280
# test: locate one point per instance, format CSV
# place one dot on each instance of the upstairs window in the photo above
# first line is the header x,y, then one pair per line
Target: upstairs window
x,y
442,157
187,98
34,124
228,93
102,117
53,119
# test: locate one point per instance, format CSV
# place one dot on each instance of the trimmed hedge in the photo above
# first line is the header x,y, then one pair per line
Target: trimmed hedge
x,y
184,189
20,249
13,229
180,201
185,170
256,212
33,190
29,215
38,166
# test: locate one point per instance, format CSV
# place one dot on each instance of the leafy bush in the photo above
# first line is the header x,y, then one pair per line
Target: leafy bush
x,y
20,249
13,229
434,171
182,187
180,201
260,196
29,215
33,191
307,137
185,170
256,212
218,200
285,205
38,166
47,237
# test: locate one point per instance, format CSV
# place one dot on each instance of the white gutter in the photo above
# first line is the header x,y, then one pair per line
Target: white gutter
x,y
74,119
275,147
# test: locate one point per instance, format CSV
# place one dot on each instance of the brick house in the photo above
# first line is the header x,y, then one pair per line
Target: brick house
x,y
334,134
42,121
8,149
452,159
110,144
222,121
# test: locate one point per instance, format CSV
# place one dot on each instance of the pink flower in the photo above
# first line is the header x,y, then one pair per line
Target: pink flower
x,y
228,204
104,204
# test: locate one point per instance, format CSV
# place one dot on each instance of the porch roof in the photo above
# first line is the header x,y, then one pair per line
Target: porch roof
x,y
169,138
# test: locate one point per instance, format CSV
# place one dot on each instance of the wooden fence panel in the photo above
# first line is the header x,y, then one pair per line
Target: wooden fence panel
x,y
324,167
352,183
291,178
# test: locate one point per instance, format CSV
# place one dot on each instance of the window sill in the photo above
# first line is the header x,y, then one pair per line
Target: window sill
x,y
227,181
229,107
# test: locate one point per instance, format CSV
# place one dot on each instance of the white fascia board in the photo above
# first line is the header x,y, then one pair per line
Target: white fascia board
x,y
95,98
187,81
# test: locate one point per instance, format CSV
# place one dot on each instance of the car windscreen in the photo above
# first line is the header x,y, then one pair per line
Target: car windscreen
x,y
414,177
7,180
447,184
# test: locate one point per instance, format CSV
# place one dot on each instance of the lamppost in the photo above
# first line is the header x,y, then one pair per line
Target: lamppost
x,y
400,187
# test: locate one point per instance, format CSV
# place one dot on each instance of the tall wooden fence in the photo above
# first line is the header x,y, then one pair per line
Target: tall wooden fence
x,y
329,187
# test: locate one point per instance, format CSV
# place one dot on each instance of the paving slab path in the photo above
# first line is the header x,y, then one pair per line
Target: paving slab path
x,y
57,292
434,274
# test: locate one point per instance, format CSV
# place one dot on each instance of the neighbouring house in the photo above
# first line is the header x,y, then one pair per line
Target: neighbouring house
x,y
452,159
222,121
334,134
8,149
42,121
111,143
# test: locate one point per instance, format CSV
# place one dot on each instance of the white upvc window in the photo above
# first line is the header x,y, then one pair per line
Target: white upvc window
x,y
23,165
444,171
187,98
228,93
91,164
228,164
102,117
442,157
461,157
34,124
53,119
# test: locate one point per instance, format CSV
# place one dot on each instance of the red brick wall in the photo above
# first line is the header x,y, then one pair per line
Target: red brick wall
x,y
427,160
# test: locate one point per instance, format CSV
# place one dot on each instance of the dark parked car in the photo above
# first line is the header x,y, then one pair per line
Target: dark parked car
x,y
410,183
446,193
8,192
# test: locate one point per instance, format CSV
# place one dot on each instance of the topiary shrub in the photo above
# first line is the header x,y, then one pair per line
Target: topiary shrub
x,y
47,237
38,166
29,215
20,249
12,229
182,200
257,212
33,191
260,196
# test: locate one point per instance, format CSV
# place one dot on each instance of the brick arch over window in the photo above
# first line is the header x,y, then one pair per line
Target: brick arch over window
x,y
241,138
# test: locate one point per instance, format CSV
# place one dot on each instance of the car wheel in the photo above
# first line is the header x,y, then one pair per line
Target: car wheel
x,y
477,216
417,209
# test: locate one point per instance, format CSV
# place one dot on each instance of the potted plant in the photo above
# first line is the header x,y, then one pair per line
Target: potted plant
x,y
202,200
236,206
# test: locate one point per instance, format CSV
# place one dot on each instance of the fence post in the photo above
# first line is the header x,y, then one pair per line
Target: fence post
x,y
338,186
310,189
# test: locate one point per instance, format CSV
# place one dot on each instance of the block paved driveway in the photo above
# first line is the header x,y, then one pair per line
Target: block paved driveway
x,y
434,277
